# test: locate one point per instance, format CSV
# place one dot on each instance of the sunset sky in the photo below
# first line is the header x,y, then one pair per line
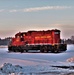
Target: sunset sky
x,y
24,15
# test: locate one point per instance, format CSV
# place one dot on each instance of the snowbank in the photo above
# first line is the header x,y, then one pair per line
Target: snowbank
x,y
9,69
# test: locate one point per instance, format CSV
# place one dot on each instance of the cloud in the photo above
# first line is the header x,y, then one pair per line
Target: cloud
x,y
45,8
1,10
35,9
13,10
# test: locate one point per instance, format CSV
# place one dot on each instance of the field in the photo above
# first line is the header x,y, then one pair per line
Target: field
x,y
37,63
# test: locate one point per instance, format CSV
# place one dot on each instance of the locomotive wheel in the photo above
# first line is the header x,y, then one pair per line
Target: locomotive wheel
x,y
15,49
41,49
26,50
44,49
52,49
21,50
56,51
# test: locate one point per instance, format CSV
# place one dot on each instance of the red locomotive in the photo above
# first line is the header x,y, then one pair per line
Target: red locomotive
x,y
45,41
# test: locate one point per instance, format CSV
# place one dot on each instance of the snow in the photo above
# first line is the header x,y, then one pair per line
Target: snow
x,y
9,69
36,63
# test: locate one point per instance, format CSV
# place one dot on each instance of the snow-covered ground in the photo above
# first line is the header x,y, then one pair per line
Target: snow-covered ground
x,y
35,63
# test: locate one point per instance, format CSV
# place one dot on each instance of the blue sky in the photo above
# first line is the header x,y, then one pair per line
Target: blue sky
x,y
24,15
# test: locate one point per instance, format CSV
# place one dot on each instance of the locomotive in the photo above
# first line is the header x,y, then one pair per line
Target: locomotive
x,y
44,41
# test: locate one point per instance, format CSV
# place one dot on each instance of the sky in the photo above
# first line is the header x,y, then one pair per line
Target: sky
x,y
24,15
